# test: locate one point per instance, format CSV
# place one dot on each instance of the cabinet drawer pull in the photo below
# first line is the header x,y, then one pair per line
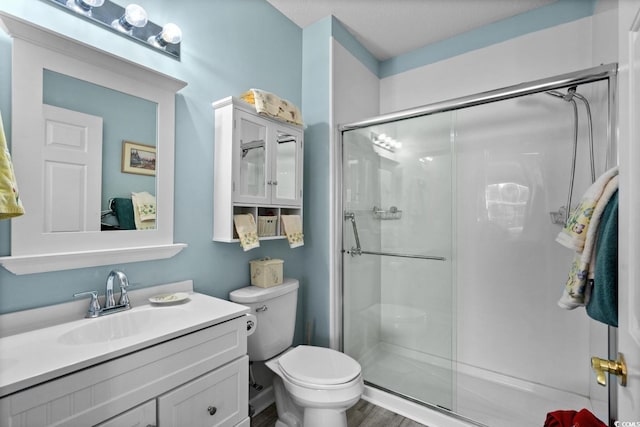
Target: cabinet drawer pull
x,y
212,410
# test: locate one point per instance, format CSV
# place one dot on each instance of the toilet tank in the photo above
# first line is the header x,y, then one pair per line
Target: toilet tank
x,y
275,309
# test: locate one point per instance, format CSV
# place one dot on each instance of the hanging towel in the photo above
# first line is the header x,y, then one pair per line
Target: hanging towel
x,y
272,105
573,235
123,208
582,269
603,302
292,226
247,231
144,210
569,418
10,203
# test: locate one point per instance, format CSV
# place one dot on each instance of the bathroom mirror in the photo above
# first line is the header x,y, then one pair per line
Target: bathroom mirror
x,y
127,121
59,230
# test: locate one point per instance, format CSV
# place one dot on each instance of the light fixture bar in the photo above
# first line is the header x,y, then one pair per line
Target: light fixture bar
x,y
108,12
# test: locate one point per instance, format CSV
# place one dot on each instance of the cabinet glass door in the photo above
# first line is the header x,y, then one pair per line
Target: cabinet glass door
x,y
252,174
285,179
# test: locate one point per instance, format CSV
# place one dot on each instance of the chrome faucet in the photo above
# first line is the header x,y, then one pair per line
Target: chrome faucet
x,y
110,305
110,301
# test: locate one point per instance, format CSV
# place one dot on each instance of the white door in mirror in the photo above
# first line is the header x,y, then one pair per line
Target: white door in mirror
x,y
72,164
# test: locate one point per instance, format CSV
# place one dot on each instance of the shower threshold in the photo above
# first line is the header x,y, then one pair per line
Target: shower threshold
x,y
476,394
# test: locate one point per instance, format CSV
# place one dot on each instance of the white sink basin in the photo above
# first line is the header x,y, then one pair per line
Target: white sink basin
x,y
122,325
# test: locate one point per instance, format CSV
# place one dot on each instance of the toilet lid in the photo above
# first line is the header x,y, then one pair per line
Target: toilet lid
x,y
318,365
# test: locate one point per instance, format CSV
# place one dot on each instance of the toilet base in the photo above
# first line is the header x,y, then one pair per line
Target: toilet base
x,y
314,417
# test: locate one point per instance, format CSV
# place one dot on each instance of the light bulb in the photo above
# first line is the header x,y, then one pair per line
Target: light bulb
x,y
84,6
170,33
134,16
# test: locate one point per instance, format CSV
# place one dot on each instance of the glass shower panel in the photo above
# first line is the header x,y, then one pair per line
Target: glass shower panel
x,y
398,289
513,162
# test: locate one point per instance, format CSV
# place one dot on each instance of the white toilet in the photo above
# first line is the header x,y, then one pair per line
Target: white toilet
x,y
313,386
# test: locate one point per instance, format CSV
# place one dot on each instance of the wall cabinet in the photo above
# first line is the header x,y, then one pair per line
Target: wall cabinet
x,y
199,379
257,168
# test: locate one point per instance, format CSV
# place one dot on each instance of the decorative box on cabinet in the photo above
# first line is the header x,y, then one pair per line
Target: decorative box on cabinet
x,y
257,168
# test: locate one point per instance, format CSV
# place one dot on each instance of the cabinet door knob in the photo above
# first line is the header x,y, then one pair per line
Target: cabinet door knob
x,y
212,410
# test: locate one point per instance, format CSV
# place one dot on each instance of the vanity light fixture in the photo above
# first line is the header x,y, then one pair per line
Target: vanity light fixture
x,y
385,142
170,34
84,7
134,16
131,22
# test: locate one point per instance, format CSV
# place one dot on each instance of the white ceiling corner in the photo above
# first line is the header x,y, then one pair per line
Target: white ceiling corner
x,y
388,28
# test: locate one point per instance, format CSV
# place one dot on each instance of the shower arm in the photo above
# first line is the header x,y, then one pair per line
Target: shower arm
x,y
570,96
573,161
590,124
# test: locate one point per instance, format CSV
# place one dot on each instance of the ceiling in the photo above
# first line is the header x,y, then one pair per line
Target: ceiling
x,y
389,28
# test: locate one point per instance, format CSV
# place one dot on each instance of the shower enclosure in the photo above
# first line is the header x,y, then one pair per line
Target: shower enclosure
x,y
450,269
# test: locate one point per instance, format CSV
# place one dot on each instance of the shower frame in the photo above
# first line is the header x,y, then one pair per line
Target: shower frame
x,y
606,72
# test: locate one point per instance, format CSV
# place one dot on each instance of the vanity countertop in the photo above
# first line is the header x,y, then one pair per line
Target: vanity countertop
x,y
34,356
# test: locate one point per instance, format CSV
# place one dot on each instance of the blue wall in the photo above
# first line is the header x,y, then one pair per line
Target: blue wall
x,y
228,47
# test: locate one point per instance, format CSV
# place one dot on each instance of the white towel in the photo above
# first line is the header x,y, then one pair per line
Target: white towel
x,y
247,231
144,210
575,290
272,105
10,203
292,226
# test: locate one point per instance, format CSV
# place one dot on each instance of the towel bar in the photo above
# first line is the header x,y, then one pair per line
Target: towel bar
x,y
357,250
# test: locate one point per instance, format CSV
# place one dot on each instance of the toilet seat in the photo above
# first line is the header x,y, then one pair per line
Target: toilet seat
x,y
319,367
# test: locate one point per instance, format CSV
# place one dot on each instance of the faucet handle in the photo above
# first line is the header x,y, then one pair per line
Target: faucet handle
x,y
94,304
124,296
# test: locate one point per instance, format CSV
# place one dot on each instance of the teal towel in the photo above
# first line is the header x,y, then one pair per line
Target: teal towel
x,y
123,208
603,304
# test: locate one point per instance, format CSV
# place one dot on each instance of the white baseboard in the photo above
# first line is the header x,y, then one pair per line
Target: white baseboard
x,y
262,400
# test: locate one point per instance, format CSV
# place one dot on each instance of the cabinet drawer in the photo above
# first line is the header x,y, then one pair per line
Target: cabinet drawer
x,y
140,416
219,398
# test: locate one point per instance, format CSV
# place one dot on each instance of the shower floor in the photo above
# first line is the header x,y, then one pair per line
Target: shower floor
x,y
484,397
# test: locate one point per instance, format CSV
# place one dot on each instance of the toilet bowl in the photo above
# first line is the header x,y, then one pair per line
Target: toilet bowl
x,y
313,386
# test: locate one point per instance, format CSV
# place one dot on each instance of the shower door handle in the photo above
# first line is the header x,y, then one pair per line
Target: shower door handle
x,y
357,249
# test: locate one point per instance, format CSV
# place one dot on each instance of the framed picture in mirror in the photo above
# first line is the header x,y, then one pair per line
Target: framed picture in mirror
x,y
138,158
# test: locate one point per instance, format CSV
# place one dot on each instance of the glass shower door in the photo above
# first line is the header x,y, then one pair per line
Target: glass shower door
x,y
397,284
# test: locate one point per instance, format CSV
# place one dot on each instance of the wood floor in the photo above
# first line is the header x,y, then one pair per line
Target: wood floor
x,y
362,414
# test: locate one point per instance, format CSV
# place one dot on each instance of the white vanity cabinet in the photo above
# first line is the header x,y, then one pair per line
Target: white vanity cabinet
x,y
140,416
257,167
197,379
